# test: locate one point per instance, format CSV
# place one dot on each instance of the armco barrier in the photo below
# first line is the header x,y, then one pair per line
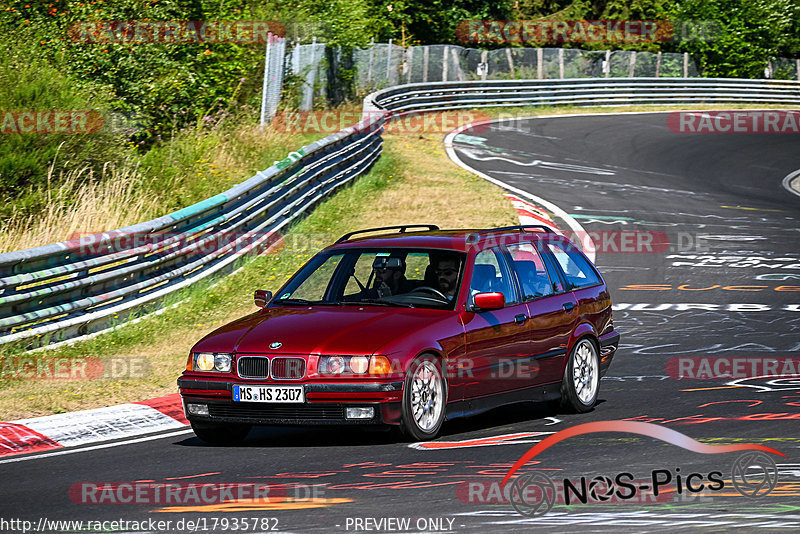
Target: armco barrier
x,y
62,291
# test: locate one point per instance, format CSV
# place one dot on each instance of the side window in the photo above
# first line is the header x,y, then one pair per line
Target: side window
x,y
490,274
576,267
532,274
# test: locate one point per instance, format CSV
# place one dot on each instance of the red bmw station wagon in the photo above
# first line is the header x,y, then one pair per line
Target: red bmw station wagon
x,y
409,327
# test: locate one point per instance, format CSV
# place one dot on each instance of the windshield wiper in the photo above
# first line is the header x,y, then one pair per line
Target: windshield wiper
x,y
295,301
373,303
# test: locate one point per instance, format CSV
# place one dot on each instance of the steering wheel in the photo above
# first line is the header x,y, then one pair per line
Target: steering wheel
x,y
430,290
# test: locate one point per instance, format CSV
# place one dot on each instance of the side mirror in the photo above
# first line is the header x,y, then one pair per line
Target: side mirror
x,y
261,297
489,301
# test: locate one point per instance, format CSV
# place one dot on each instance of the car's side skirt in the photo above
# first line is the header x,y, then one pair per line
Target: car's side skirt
x,y
468,407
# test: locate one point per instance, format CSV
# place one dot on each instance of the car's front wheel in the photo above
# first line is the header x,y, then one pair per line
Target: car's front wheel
x,y
581,377
424,399
221,434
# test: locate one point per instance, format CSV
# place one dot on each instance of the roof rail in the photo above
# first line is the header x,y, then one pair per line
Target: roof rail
x,y
473,237
400,228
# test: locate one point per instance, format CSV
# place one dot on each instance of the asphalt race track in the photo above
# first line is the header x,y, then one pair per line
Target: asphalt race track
x,y
719,280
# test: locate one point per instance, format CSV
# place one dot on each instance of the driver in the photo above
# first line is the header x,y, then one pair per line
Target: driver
x,y
446,271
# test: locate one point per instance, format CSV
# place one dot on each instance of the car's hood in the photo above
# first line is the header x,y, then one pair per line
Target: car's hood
x,y
318,330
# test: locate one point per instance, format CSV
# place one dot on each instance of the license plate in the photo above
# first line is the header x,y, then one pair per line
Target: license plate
x,y
268,394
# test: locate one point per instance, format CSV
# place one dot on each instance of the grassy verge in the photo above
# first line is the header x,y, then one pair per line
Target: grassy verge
x,y
413,182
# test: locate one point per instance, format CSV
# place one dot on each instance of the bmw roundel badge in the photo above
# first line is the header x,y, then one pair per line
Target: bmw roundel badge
x,y
275,345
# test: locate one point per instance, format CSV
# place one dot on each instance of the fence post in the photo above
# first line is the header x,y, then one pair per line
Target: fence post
x,y
485,69
409,62
389,64
308,95
797,65
444,63
633,64
425,58
607,64
371,60
540,63
459,70
266,82
561,63
658,64
686,64
510,63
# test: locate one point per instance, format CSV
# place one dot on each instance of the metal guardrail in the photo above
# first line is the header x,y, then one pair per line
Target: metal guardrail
x,y
69,289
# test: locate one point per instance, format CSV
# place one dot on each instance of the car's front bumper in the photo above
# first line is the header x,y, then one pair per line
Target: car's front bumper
x,y
325,403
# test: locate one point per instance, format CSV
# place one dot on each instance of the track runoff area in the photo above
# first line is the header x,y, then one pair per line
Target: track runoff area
x,y
698,241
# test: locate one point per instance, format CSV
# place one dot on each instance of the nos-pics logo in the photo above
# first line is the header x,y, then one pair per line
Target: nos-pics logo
x,y
754,474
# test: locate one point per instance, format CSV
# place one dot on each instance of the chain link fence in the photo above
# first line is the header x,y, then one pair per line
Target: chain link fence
x,y
385,64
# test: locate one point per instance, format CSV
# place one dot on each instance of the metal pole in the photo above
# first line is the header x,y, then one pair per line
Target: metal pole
x,y
561,63
510,63
798,69
658,64
409,62
540,63
266,83
371,59
425,58
485,69
389,64
457,63
608,64
633,64
444,63
686,64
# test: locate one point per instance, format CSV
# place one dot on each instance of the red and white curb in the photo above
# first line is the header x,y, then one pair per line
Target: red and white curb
x,y
84,427
530,214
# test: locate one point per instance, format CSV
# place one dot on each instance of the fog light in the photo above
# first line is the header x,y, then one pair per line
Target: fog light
x,y
359,413
197,409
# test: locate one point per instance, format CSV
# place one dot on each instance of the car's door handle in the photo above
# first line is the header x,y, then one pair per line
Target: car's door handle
x,y
568,306
521,318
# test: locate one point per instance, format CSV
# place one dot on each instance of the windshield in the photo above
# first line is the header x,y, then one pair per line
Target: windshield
x,y
416,278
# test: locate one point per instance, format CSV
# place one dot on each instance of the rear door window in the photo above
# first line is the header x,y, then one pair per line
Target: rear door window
x,y
577,269
531,272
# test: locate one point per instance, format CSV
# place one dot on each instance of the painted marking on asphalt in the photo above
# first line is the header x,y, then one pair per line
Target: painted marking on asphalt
x,y
751,209
19,439
101,424
504,439
571,222
96,447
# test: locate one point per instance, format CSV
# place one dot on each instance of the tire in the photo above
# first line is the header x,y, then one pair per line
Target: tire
x,y
221,434
581,382
424,399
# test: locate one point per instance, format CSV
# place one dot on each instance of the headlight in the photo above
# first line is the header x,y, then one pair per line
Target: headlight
x,y
343,365
222,363
359,364
207,361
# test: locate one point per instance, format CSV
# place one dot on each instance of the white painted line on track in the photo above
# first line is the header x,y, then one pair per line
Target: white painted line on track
x,y
787,182
96,447
571,222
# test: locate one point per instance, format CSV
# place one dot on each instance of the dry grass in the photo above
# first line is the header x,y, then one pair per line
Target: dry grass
x,y
81,204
